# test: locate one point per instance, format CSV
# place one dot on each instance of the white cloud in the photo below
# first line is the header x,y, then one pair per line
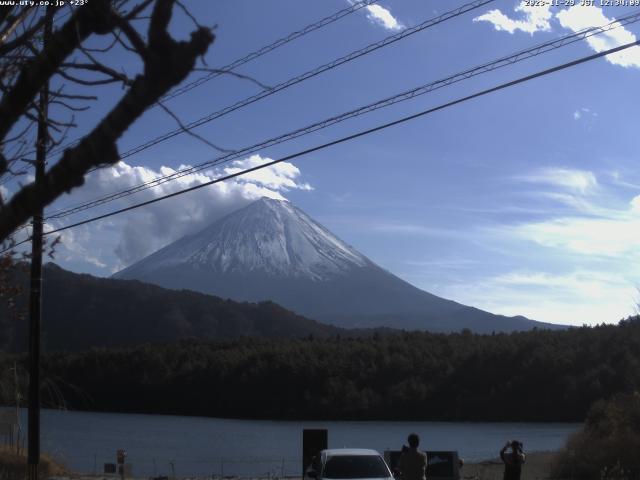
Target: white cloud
x,y
536,19
585,283
75,243
126,238
613,235
584,113
580,17
281,176
383,17
581,267
575,201
577,181
619,179
4,193
576,18
574,298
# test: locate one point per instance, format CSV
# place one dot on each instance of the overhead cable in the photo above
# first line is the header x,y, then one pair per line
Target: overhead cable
x,y
401,97
347,138
309,74
251,56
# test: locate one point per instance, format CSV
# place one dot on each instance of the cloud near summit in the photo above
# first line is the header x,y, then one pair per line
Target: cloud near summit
x,y
140,232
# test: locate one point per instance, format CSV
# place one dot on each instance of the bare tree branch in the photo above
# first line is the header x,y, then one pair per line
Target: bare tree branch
x,y
68,106
190,132
5,12
81,81
98,67
264,86
135,11
95,17
107,48
59,94
134,37
166,63
19,41
19,134
17,21
188,14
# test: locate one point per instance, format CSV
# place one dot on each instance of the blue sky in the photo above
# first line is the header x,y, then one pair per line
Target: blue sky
x,y
525,201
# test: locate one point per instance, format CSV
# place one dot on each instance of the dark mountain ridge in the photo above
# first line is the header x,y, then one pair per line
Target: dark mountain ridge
x,y
81,311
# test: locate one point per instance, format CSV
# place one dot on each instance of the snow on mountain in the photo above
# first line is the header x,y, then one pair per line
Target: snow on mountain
x,y
270,237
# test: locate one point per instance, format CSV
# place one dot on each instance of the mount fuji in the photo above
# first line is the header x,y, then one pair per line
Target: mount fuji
x,y
272,250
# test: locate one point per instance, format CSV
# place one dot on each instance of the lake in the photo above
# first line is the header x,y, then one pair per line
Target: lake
x,y
158,444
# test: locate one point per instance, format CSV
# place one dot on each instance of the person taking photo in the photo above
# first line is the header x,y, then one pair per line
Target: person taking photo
x,y
513,460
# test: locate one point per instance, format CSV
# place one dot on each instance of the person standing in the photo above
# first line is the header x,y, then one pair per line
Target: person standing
x,y
513,460
413,462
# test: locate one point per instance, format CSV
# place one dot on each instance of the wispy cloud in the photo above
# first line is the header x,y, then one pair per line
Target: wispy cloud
x,y
615,235
578,203
536,19
78,243
580,17
383,17
574,180
620,180
584,112
593,284
575,298
594,242
596,226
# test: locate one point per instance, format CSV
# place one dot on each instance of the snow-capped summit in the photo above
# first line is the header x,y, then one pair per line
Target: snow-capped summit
x,y
272,250
268,237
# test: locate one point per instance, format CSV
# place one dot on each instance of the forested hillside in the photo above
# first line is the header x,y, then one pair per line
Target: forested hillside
x,y
530,376
81,311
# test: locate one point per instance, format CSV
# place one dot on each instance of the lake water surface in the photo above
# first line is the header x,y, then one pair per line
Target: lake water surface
x,y
204,446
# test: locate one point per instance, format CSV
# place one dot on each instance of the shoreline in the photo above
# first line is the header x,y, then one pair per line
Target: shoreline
x,y
294,419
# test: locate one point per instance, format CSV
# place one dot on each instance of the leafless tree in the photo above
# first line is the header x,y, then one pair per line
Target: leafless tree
x,y
70,56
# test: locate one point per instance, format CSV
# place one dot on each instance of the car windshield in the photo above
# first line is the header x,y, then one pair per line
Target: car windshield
x,y
355,466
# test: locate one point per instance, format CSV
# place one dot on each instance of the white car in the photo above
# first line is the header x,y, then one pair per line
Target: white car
x,y
348,463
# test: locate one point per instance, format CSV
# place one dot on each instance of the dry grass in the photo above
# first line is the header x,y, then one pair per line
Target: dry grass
x,y
14,466
537,466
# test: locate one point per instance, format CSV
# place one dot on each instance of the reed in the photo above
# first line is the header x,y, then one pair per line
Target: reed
x,y
13,466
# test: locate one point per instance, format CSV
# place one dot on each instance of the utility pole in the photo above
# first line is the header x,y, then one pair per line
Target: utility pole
x,y
17,395
35,299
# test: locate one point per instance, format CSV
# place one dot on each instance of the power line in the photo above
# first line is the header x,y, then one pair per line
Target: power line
x,y
288,83
251,56
309,74
266,49
404,96
351,137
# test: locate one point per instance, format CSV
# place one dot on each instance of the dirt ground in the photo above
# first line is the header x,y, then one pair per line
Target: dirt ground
x,y
537,466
